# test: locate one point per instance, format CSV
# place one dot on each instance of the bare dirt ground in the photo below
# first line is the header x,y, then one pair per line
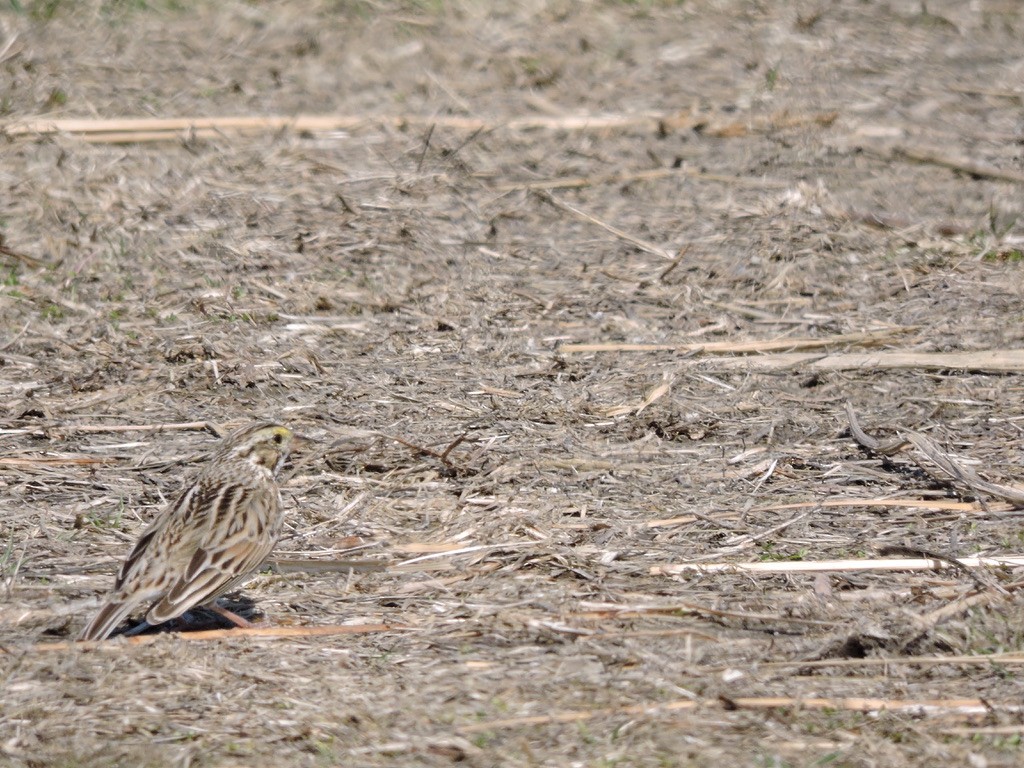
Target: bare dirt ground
x,y
846,174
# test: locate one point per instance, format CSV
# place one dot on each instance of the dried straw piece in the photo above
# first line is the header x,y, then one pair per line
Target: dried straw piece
x,y
870,338
932,451
125,129
838,566
963,708
931,156
118,643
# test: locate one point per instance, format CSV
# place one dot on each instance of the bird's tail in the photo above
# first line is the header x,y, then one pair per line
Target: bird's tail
x,y
106,620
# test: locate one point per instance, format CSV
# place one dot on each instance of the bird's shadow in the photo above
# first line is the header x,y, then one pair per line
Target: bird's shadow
x,y
197,619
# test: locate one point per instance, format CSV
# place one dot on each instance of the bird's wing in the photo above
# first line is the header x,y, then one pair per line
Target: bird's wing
x,y
237,542
141,559
146,573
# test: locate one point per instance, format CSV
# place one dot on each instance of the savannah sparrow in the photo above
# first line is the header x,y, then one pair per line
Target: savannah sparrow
x,y
220,529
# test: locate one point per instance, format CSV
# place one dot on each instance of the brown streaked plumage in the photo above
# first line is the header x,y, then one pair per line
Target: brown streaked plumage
x,y
218,531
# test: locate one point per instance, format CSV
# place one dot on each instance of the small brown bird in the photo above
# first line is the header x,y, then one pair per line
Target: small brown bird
x,y
220,529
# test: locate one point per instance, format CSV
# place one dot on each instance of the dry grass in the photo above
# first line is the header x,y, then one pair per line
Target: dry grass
x,y
545,364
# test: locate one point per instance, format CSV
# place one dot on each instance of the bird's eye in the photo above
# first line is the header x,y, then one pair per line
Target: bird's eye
x,y
278,438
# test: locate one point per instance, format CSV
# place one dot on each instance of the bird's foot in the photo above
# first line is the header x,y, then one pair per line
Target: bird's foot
x,y
231,616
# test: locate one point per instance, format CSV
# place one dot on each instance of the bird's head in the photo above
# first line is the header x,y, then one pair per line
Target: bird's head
x,y
266,445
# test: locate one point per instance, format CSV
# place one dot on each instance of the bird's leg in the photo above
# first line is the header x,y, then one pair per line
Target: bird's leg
x,y
231,616
138,629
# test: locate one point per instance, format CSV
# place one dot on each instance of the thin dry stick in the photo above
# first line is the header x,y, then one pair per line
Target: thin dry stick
x,y
579,182
744,347
675,263
816,566
146,128
985,730
690,519
882,220
152,137
744,541
142,129
865,440
624,633
985,361
940,504
908,551
577,716
600,611
55,462
442,457
304,565
118,643
643,245
462,551
931,450
23,258
919,707
929,621
923,661
945,160
963,474
98,428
